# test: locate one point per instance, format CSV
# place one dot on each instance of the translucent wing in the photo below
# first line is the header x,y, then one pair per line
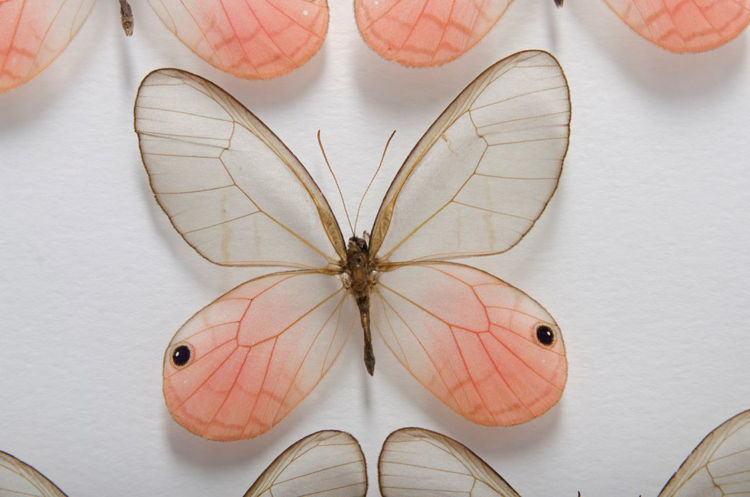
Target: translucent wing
x,y
477,181
242,363
248,38
415,461
18,478
33,33
719,466
425,32
684,25
230,187
325,464
485,348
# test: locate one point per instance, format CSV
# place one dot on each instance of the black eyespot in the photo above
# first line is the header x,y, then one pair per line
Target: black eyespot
x,y
545,335
181,355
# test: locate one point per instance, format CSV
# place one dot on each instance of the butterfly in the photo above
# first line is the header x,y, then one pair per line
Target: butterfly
x,y
327,464
415,461
430,33
247,38
474,184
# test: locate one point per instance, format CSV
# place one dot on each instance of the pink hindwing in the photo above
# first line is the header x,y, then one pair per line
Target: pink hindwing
x,y
248,38
33,33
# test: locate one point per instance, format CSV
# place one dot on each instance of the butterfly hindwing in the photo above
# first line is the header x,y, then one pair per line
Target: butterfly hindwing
x,y
472,340
242,363
19,478
254,39
33,33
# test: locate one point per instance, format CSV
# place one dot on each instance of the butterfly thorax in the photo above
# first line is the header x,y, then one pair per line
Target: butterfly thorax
x,y
360,280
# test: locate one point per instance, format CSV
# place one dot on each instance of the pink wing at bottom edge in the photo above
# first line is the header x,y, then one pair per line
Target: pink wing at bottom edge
x,y
254,39
425,33
684,25
243,362
474,341
33,33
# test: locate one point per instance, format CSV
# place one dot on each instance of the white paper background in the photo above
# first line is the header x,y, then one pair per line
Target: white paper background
x,y
642,257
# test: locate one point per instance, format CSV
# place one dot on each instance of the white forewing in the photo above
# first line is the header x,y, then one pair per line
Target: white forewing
x,y
483,173
18,478
230,187
415,462
719,466
324,464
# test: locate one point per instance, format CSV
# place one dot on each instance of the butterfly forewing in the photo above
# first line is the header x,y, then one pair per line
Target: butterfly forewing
x,y
33,33
483,173
425,32
18,478
325,464
684,25
248,38
472,340
230,187
719,466
415,461
241,364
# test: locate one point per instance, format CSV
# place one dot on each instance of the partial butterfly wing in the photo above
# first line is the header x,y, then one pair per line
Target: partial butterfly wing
x,y
241,364
482,174
415,461
18,478
248,38
719,466
33,33
473,185
684,25
325,464
229,186
425,32
485,348
237,195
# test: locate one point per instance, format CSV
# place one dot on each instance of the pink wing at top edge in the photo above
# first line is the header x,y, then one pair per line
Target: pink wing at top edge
x,y
425,32
243,362
485,348
684,25
253,39
33,33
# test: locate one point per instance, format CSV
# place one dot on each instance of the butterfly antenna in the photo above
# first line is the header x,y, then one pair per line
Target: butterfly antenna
x,y
382,157
338,187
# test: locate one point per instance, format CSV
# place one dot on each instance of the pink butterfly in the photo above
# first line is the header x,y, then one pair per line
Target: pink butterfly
x,y
247,38
433,32
474,185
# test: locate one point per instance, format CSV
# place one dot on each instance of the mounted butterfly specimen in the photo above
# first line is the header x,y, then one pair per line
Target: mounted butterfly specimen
x,y
326,464
247,38
433,32
415,461
473,185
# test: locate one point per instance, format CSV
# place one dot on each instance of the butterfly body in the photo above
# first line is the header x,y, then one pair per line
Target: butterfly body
x,y
360,278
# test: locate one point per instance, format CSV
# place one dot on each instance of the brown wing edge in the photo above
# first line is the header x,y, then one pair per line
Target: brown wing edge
x,y
705,449
451,113
31,474
280,457
447,440
235,108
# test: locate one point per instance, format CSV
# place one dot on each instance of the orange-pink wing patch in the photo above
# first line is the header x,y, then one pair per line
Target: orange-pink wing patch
x,y
472,340
425,32
254,39
242,363
33,33
685,25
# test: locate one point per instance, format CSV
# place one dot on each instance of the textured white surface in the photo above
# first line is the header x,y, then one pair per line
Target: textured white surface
x,y
642,257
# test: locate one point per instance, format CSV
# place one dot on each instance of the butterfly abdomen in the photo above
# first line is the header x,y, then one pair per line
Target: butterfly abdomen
x,y
359,270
